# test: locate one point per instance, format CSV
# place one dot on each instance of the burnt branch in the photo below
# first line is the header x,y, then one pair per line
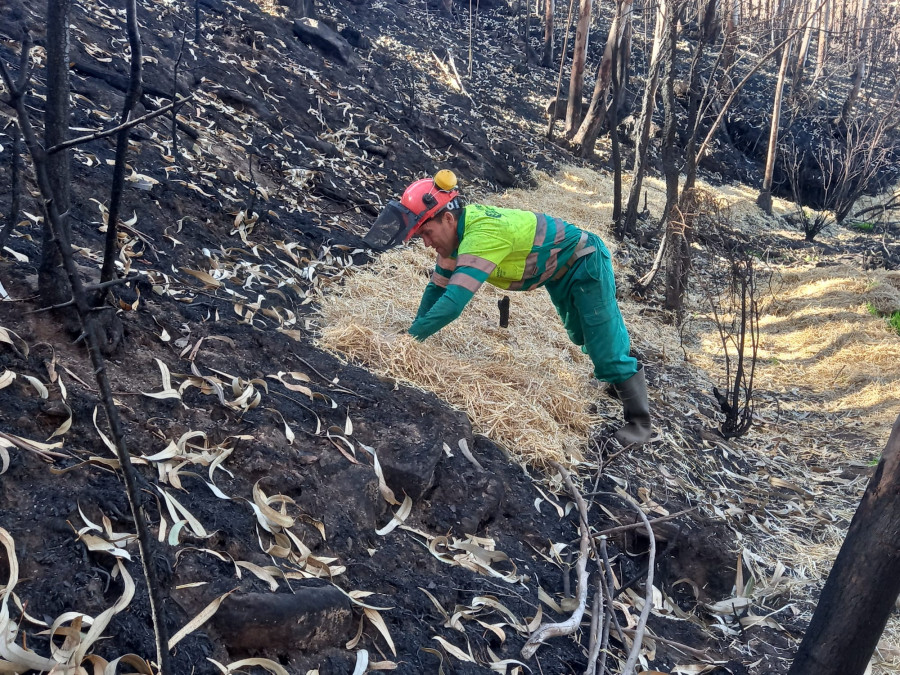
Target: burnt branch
x,y
570,625
638,636
736,311
893,204
81,140
132,96
174,94
91,331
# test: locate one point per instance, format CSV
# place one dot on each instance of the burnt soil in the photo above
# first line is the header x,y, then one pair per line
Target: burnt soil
x,y
304,145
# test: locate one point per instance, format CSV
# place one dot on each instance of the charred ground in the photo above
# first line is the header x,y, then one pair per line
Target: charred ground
x,y
284,154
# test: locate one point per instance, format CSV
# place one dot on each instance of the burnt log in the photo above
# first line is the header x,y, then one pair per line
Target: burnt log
x,y
317,34
864,583
311,617
120,82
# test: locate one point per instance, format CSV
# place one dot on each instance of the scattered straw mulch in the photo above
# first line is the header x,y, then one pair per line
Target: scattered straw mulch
x,y
525,387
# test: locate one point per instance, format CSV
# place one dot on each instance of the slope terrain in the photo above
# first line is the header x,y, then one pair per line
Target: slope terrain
x,y
345,511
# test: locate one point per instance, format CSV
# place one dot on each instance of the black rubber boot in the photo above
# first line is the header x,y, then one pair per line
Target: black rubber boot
x,y
633,394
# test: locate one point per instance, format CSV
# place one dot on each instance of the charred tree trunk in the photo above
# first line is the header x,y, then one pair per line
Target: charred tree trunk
x,y
51,278
764,200
669,159
859,72
707,17
729,47
576,81
547,57
822,46
562,63
863,584
15,170
623,60
586,136
132,96
174,128
663,11
678,256
677,229
612,113
530,56
800,65
695,99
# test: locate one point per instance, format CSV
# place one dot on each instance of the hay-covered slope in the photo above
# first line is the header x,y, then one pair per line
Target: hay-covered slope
x,y
826,388
527,386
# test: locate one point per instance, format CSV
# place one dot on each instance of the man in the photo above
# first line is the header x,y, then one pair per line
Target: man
x,y
519,251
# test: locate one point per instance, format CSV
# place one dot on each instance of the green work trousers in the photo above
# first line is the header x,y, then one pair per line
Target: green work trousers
x,y
585,298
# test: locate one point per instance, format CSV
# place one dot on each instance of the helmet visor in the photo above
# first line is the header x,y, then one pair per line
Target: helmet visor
x,y
391,227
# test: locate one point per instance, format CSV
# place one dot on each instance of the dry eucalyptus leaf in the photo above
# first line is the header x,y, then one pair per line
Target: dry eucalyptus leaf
x,y
205,615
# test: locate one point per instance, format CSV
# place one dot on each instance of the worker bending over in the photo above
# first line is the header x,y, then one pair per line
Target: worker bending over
x,y
519,251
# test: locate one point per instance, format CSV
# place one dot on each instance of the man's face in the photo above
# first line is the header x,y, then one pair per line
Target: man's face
x,y
440,234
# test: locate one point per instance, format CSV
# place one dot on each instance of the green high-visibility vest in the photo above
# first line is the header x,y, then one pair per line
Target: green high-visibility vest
x,y
508,248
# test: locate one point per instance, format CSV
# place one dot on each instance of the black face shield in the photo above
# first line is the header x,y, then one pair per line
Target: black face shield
x,y
391,227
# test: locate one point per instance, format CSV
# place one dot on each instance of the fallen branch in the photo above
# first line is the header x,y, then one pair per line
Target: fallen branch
x,y
690,651
644,282
10,440
606,578
598,626
880,209
636,526
117,81
570,625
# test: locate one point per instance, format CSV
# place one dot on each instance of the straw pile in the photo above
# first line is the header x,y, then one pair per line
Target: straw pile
x,y
523,387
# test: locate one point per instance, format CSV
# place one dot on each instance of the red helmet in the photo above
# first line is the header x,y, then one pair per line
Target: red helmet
x,y
421,201
428,197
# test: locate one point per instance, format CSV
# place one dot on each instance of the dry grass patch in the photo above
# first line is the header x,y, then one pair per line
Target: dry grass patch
x,y
820,335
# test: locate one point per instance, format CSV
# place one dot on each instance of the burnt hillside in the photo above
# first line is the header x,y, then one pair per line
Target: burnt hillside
x,y
256,450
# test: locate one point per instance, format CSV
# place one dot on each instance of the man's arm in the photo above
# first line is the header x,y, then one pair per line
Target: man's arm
x,y
471,271
440,278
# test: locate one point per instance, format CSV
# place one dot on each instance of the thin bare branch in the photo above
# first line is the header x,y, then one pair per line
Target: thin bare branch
x,y
570,625
635,526
132,96
81,140
628,669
